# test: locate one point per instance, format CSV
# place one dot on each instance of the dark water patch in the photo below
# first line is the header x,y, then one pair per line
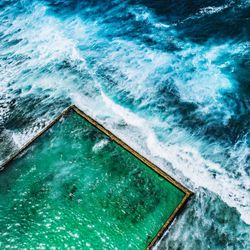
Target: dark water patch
x,y
174,11
201,21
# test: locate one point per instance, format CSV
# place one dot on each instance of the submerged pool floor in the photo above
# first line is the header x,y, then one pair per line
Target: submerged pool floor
x,y
75,188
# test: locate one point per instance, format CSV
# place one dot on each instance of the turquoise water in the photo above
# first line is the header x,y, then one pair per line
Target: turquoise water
x,y
74,188
171,78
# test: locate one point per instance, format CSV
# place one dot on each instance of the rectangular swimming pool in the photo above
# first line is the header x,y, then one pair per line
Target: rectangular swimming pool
x,y
78,186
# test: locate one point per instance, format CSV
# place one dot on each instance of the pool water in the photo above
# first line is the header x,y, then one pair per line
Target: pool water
x,y
75,188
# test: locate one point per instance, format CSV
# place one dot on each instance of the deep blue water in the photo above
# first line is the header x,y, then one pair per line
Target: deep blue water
x,y
169,77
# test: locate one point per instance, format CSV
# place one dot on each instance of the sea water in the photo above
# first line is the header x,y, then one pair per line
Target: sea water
x,y
171,78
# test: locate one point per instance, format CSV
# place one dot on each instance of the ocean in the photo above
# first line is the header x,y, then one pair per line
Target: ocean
x,y
171,78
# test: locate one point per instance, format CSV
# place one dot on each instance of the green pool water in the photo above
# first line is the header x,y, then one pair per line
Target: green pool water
x,y
74,188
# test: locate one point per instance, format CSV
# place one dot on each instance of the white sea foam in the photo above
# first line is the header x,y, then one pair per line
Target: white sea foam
x,y
210,10
100,145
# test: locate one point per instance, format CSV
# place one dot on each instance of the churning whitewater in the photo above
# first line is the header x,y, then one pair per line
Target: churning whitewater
x,y
170,78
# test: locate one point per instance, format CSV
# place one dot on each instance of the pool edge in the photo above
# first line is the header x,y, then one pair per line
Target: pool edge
x,y
113,137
